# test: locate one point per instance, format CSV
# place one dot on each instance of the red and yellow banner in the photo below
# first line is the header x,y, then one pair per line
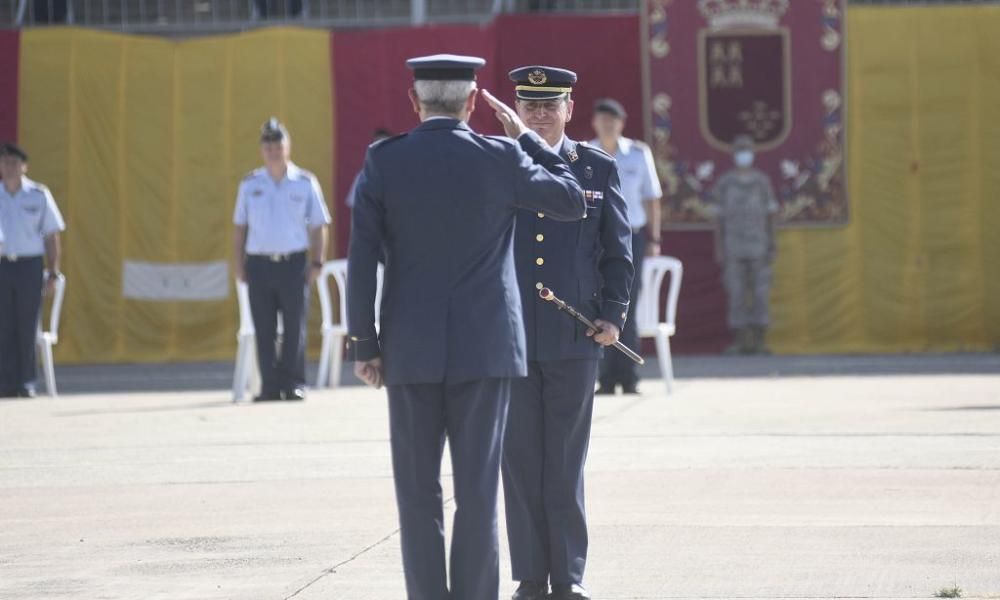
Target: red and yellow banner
x,y
143,141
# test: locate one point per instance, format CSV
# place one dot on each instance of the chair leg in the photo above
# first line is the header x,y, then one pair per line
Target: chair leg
x,y
50,370
252,381
336,360
670,365
240,371
665,360
323,375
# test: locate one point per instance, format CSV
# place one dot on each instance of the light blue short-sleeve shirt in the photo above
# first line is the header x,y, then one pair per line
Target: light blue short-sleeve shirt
x,y
28,217
278,215
638,177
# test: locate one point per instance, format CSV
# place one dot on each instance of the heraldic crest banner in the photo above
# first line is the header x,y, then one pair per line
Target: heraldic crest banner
x,y
769,69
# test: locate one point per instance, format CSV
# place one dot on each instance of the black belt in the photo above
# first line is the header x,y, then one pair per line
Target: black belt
x,y
13,258
277,257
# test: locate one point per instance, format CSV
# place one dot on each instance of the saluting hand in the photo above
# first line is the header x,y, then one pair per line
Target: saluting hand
x,y
513,126
608,334
370,372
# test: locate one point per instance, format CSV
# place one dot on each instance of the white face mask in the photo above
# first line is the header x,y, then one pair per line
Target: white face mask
x,y
743,158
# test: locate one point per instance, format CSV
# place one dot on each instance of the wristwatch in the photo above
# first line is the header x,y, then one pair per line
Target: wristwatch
x,y
54,275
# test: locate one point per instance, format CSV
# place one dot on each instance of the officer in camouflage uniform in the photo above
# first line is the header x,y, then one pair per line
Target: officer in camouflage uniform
x,y
745,210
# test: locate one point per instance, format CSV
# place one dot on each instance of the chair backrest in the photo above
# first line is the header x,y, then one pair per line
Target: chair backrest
x,y
337,269
654,269
246,318
57,302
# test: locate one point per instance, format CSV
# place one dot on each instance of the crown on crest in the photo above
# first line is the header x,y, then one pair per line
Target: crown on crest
x,y
723,14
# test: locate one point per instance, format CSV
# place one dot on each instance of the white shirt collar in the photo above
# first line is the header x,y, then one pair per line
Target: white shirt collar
x,y
293,171
559,145
26,184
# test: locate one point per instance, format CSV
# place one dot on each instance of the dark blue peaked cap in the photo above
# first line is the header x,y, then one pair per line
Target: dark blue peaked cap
x,y
542,83
445,67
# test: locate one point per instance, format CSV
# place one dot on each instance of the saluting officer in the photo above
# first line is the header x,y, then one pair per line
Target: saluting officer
x,y
589,264
280,242
441,201
30,223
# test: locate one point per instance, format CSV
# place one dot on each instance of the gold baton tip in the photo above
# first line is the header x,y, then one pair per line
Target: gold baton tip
x,y
546,294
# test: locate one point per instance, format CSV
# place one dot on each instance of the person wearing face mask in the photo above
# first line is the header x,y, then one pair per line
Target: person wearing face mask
x,y
745,211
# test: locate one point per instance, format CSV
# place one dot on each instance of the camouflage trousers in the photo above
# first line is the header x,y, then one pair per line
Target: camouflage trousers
x,y
748,286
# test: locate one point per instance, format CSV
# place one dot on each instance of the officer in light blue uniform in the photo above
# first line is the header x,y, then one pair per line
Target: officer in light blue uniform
x,y
441,201
280,242
30,222
642,192
588,264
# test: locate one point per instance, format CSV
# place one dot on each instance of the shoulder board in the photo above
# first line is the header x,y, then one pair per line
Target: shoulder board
x,y
498,138
388,140
594,149
250,175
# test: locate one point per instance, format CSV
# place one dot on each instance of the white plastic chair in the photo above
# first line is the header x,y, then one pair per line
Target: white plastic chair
x,y
331,356
246,374
647,311
45,340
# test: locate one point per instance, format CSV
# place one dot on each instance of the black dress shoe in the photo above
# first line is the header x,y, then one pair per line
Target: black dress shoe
x,y
630,389
569,591
531,590
605,390
295,394
268,397
26,392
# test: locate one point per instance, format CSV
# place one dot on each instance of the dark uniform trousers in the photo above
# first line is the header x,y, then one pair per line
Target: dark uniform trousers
x,y
471,415
548,435
616,368
273,287
20,303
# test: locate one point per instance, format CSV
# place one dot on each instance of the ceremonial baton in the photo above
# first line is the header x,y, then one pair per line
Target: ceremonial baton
x,y
546,294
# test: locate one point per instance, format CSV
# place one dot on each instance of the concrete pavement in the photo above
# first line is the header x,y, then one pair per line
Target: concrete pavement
x,y
859,486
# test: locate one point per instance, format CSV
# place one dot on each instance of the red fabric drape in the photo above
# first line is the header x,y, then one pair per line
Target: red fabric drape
x,y
370,81
10,44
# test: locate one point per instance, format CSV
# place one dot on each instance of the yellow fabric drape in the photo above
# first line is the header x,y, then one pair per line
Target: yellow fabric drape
x,y
916,269
145,141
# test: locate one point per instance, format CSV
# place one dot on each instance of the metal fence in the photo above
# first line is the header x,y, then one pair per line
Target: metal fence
x,y
193,16
175,15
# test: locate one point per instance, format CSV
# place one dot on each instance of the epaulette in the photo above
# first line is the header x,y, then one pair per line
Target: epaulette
x,y
595,150
388,140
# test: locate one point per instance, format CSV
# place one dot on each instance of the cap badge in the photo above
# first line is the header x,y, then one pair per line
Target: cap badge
x,y
537,77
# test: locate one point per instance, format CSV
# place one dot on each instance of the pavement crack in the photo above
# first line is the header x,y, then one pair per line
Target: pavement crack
x,y
352,558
